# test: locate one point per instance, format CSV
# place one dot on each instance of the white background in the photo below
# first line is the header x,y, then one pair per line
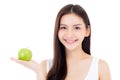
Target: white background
x,y
30,23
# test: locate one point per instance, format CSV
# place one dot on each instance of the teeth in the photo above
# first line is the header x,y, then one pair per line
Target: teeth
x,y
70,41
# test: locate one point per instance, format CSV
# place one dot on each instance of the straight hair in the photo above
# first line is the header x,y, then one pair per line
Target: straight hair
x,y
58,70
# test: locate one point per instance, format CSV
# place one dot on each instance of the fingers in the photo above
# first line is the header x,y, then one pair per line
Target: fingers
x,y
14,59
18,61
33,65
30,64
21,61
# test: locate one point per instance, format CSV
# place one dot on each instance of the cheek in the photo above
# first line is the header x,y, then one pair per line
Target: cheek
x,y
81,34
60,34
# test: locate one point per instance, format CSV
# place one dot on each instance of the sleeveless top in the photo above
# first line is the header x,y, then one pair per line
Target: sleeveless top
x,y
92,73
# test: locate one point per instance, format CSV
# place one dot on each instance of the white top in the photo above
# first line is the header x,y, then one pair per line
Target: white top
x,y
93,70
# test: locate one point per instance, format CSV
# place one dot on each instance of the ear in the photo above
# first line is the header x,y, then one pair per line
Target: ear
x,y
88,31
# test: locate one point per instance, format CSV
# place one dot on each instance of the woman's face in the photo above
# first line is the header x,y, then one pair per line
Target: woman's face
x,y
72,31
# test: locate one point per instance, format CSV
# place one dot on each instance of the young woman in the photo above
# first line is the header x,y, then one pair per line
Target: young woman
x,y
72,58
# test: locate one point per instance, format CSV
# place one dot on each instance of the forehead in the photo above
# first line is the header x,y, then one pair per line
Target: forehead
x,y
71,18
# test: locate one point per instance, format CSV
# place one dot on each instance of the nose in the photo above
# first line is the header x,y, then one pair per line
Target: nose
x,y
69,32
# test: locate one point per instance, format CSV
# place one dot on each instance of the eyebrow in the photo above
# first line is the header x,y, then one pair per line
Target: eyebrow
x,y
77,24
73,25
63,25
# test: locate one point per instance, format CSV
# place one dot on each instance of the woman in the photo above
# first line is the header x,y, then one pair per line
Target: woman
x,y
72,58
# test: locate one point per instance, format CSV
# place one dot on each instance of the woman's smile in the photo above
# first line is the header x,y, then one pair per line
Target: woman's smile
x,y
70,41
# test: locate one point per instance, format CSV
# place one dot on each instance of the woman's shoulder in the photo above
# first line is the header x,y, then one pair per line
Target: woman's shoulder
x,y
104,71
103,68
103,64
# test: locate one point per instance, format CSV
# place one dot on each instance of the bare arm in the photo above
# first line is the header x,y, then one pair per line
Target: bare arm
x,y
104,72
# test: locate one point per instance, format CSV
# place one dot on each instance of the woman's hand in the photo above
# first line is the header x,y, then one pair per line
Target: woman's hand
x,y
33,65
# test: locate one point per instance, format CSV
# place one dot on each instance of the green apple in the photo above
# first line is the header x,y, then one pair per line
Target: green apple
x,y
25,54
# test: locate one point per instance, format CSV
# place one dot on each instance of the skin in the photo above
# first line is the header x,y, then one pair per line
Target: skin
x,y
71,34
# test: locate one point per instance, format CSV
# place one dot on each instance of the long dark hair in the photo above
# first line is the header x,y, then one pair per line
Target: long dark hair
x,y
59,67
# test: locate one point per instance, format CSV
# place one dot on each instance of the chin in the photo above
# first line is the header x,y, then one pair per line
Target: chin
x,y
70,48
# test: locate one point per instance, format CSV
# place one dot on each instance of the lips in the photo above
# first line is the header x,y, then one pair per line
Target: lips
x,y
70,41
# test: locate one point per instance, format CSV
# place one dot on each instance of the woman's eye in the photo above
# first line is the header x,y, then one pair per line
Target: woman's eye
x,y
77,28
62,27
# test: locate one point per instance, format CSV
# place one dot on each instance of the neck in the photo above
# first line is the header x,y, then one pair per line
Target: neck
x,y
75,54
